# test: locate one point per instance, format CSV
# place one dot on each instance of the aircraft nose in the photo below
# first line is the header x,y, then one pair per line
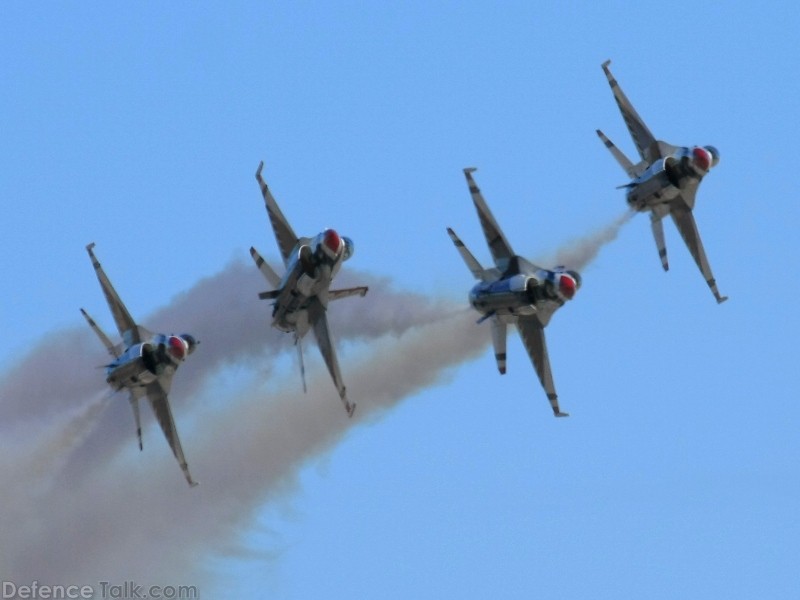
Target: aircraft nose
x,y
332,240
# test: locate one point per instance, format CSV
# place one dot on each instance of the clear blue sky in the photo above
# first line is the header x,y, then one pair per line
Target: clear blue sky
x,y
140,126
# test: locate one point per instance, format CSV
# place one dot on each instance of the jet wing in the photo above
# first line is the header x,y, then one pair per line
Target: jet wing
x,y
684,221
284,234
125,323
318,319
532,334
498,244
646,143
157,395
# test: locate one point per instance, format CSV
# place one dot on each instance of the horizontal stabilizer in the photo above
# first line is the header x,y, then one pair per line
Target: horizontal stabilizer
x,y
263,266
472,263
347,292
632,170
112,350
271,295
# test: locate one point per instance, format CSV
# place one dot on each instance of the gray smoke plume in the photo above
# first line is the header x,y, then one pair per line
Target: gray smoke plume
x,y
579,253
101,510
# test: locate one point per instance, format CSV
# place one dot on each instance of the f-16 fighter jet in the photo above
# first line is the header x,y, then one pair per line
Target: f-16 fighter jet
x,y
301,296
516,291
143,364
664,181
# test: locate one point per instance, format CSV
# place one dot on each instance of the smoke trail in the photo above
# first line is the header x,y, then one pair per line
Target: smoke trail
x,y
579,253
118,514
106,490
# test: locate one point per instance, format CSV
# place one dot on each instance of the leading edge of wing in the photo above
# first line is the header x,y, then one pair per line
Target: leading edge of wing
x,y
495,238
642,137
532,334
284,234
160,404
125,324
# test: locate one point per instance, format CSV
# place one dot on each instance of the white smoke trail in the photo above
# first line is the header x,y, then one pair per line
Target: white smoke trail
x,y
115,513
105,490
578,253
248,452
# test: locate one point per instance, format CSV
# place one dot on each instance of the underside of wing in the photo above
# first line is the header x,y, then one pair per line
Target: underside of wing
x,y
284,234
532,334
125,323
684,221
645,142
157,396
318,318
498,244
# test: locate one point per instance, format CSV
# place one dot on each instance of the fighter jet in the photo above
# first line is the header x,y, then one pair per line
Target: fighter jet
x,y
664,182
301,296
143,364
516,291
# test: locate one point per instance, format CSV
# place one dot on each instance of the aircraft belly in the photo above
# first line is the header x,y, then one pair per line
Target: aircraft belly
x,y
131,373
652,192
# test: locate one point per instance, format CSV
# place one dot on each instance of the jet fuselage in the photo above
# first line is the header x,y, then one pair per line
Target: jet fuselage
x,y
143,363
310,271
522,294
667,177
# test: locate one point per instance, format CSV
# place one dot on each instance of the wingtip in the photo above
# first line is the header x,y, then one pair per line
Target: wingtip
x,y
561,414
89,247
351,408
721,299
605,64
468,170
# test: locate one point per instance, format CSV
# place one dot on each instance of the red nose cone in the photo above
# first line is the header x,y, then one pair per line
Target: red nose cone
x,y
702,158
332,240
566,286
177,347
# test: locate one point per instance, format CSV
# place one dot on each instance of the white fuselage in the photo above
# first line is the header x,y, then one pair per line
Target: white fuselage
x,y
143,363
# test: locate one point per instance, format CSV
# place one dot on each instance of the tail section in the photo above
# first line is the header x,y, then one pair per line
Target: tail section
x,y
632,170
263,266
298,341
135,406
469,259
658,234
499,331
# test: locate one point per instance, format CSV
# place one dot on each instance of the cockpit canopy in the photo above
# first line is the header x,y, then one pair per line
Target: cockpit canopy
x,y
191,342
714,155
349,248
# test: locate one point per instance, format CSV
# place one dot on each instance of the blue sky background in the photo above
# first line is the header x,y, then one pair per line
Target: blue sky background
x,y
140,126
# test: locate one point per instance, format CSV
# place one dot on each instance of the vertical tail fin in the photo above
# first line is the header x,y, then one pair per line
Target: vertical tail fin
x,y
499,331
658,233
135,406
298,341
